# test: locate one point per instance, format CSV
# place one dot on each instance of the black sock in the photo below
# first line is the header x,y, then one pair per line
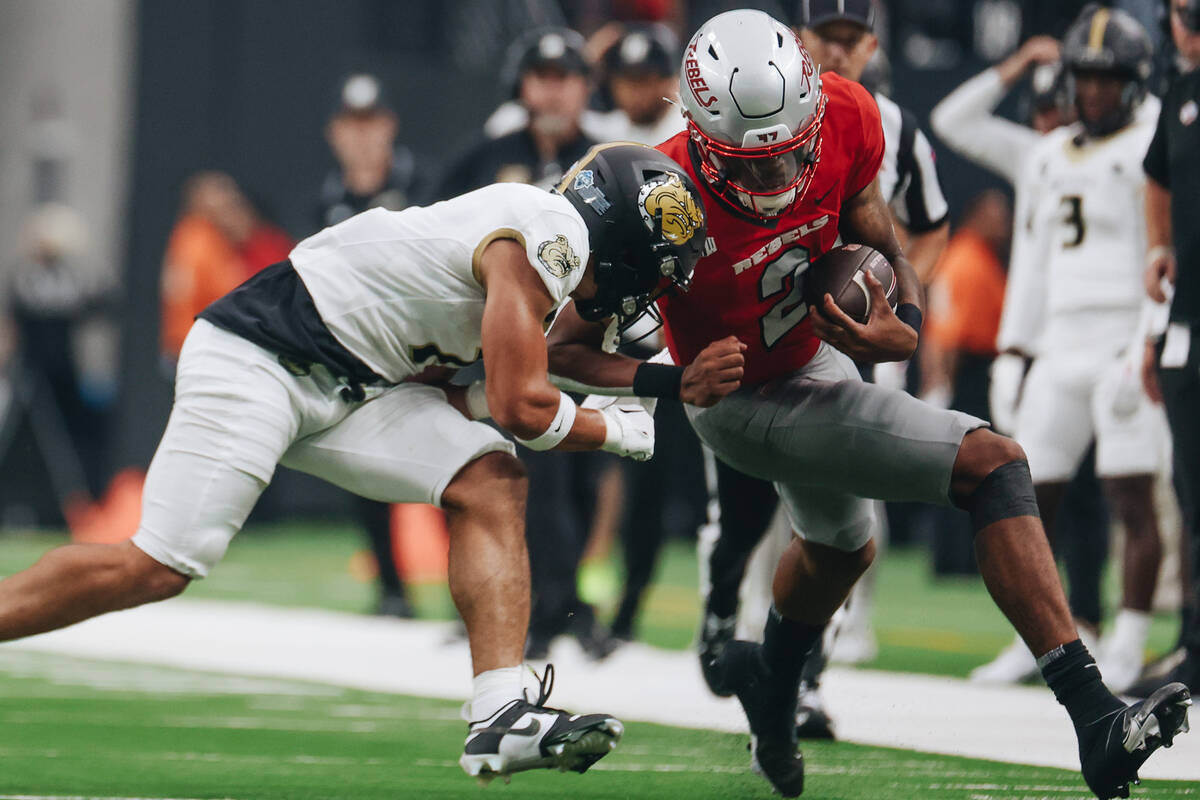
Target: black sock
x,y
786,645
1072,674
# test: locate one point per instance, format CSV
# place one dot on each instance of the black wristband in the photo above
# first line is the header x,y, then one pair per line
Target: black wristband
x,y
657,380
910,315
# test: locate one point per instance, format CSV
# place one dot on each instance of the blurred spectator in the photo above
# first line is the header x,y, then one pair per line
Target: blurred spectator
x,y
958,344
641,74
550,79
1171,367
50,299
965,298
373,171
664,496
219,241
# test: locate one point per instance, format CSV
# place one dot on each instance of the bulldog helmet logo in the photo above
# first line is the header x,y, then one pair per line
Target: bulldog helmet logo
x,y
557,256
681,214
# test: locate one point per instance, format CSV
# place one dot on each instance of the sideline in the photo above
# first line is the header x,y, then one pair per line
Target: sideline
x,y
1022,725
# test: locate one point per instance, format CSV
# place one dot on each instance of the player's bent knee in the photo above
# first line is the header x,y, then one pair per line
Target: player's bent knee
x,y
1004,493
982,451
156,580
494,477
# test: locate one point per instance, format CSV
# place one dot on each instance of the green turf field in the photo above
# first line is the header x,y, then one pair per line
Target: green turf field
x,y
945,627
76,728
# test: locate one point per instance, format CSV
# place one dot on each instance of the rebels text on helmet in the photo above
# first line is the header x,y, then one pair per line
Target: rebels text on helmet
x,y
691,70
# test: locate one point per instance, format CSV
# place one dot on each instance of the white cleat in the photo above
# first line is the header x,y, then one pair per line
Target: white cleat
x,y
522,736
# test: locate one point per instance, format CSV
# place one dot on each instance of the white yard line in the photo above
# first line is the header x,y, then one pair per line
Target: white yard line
x,y
1021,725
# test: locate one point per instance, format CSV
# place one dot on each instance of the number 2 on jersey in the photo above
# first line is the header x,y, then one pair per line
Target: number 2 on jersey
x,y
790,309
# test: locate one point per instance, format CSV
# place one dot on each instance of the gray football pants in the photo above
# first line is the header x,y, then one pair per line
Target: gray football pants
x,y
830,443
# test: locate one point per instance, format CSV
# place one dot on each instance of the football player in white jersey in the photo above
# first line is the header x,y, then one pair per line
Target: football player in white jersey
x,y
1074,305
967,121
333,362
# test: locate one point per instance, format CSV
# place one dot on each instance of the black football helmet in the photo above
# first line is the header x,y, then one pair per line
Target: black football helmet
x,y
646,227
1111,41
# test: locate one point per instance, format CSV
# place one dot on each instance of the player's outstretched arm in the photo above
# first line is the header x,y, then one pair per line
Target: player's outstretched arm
x,y
576,354
866,219
520,397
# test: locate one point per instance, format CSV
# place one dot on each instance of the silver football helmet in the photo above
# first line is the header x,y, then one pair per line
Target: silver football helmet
x,y
754,106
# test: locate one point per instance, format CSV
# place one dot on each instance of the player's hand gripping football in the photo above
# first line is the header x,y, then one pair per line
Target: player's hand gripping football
x,y
716,372
883,338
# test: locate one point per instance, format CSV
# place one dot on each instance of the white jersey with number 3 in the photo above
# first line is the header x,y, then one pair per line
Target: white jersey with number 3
x,y
1081,261
401,289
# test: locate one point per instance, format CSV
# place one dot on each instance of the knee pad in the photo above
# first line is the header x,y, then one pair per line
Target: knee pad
x,y
1006,492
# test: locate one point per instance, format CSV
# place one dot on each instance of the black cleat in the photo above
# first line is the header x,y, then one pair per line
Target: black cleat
x,y
812,720
1114,747
715,633
770,708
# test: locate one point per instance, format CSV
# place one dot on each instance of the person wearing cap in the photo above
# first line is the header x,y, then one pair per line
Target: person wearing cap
x,y
550,79
372,170
641,73
1171,364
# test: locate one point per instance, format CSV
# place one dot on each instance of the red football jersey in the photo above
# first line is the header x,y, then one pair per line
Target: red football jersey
x,y
752,285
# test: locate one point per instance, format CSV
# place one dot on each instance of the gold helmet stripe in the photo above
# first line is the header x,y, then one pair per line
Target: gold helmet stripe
x,y
1099,25
587,159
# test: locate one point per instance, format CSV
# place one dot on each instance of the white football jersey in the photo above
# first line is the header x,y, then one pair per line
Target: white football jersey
x,y
1080,256
400,289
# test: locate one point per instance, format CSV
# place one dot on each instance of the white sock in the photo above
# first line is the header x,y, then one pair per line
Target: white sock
x,y
1130,630
495,689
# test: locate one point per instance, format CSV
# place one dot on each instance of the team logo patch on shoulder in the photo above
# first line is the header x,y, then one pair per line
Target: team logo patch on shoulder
x,y
557,256
681,214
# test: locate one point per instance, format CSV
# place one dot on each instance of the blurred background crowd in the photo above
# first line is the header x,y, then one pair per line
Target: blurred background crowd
x,y
155,155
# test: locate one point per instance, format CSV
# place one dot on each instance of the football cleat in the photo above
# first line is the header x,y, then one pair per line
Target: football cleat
x,y
1114,747
770,707
715,633
522,736
812,720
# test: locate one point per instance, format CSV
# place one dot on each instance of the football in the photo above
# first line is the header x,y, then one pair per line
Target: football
x,y
840,273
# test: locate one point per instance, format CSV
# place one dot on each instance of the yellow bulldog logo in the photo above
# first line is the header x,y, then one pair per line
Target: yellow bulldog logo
x,y
557,256
681,214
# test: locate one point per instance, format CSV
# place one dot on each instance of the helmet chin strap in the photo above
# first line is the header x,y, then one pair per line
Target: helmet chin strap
x,y
771,206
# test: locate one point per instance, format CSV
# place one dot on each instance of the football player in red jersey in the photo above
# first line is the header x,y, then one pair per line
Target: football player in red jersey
x,y
788,160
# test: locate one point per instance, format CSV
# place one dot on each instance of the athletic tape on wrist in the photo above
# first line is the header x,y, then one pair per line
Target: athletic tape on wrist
x,y
657,380
560,426
910,315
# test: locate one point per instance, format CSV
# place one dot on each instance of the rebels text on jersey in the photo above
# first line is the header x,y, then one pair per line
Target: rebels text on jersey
x,y
752,285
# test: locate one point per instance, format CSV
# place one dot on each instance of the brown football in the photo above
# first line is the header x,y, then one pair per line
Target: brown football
x,y
839,273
